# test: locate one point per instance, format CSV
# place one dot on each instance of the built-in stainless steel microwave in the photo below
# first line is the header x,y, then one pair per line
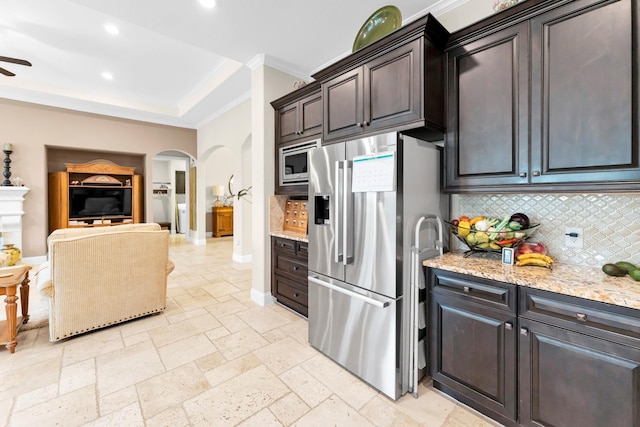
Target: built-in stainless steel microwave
x,y
294,163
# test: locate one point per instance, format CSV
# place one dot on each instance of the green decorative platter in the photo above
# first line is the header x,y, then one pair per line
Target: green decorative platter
x,y
382,22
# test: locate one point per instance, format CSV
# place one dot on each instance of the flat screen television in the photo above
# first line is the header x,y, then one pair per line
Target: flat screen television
x,y
96,202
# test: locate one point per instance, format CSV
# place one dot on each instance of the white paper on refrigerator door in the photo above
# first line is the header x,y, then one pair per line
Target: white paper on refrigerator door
x,y
374,172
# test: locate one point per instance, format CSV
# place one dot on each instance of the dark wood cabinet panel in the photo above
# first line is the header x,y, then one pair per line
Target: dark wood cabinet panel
x,y
311,115
288,120
343,105
488,115
473,346
289,268
393,84
562,111
584,67
572,379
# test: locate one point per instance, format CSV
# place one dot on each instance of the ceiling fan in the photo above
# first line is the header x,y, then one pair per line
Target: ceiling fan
x,y
13,61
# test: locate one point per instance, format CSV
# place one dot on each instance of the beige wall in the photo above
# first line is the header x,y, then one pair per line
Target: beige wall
x,y
31,127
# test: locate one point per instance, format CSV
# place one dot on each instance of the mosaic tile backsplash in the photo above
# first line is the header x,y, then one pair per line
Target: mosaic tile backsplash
x,y
611,222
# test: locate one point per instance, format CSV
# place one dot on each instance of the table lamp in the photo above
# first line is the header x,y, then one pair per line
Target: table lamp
x,y
218,190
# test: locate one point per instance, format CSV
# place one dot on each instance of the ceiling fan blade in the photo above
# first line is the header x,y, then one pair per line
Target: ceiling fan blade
x,y
15,61
6,72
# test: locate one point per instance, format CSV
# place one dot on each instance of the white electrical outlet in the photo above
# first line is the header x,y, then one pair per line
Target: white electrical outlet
x,y
573,237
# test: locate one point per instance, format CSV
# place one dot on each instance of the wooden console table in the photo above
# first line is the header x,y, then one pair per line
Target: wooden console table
x,y
10,279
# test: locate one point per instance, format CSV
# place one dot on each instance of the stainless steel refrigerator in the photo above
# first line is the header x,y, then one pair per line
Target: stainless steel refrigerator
x,y
365,198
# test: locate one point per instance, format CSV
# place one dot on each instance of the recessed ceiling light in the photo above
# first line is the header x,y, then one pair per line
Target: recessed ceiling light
x,y
208,3
107,75
111,29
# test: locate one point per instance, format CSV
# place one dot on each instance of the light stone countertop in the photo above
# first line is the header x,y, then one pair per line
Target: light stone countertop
x,y
579,281
290,235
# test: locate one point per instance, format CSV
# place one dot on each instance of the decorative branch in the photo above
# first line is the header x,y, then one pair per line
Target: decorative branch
x,y
242,193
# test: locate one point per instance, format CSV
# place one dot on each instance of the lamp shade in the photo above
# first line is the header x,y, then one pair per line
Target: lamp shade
x,y
218,190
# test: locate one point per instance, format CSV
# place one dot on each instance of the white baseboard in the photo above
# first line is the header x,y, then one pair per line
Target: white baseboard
x,y
199,242
261,298
208,234
243,259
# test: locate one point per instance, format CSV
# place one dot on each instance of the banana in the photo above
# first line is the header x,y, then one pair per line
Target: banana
x,y
535,255
533,261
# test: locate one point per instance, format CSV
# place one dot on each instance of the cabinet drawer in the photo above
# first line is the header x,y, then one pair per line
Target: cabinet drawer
x,y
285,246
291,267
579,314
482,291
291,293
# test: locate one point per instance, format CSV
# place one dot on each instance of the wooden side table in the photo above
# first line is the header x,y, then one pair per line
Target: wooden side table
x,y
222,221
10,279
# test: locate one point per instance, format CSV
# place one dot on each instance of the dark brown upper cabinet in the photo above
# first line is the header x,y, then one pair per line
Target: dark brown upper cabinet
x,y
298,118
487,140
380,94
395,83
584,73
544,97
299,114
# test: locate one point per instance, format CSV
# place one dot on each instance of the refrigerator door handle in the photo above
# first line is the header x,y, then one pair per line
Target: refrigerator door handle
x,y
337,220
347,210
333,287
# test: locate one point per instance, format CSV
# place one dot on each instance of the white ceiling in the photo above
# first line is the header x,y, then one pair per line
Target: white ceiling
x,y
173,62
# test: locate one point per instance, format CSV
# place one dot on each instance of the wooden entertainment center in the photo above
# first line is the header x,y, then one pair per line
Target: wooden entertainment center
x,y
94,194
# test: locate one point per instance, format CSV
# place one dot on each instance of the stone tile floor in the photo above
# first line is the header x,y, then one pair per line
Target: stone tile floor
x,y
213,358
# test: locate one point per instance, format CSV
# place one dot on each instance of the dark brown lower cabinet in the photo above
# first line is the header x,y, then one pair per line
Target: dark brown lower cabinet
x,y
473,341
579,362
544,360
289,273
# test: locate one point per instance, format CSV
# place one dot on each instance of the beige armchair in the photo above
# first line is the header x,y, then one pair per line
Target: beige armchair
x,y
96,277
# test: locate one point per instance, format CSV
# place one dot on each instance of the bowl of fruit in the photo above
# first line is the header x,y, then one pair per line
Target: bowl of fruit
x,y
489,234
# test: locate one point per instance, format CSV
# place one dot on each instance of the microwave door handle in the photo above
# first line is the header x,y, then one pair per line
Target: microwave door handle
x,y
335,216
347,210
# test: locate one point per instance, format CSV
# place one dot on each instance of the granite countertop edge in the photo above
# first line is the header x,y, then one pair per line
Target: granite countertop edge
x,y
579,281
290,235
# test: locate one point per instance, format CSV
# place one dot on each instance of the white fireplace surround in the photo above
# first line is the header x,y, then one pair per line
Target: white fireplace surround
x,y
11,212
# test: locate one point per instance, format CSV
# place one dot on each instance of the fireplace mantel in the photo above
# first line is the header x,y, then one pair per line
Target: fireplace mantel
x,y
11,212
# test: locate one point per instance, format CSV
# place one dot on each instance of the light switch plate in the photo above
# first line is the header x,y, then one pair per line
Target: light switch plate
x,y
573,237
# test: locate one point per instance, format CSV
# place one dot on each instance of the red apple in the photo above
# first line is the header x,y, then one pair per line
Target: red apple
x,y
525,249
539,248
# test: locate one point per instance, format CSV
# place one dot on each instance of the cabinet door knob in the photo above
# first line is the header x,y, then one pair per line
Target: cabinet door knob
x,y
523,175
295,268
366,123
295,295
536,173
524,331
359,124
581,317
508,326
467,289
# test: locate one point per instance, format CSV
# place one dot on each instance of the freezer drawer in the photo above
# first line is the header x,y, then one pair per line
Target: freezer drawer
x,y
357,329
